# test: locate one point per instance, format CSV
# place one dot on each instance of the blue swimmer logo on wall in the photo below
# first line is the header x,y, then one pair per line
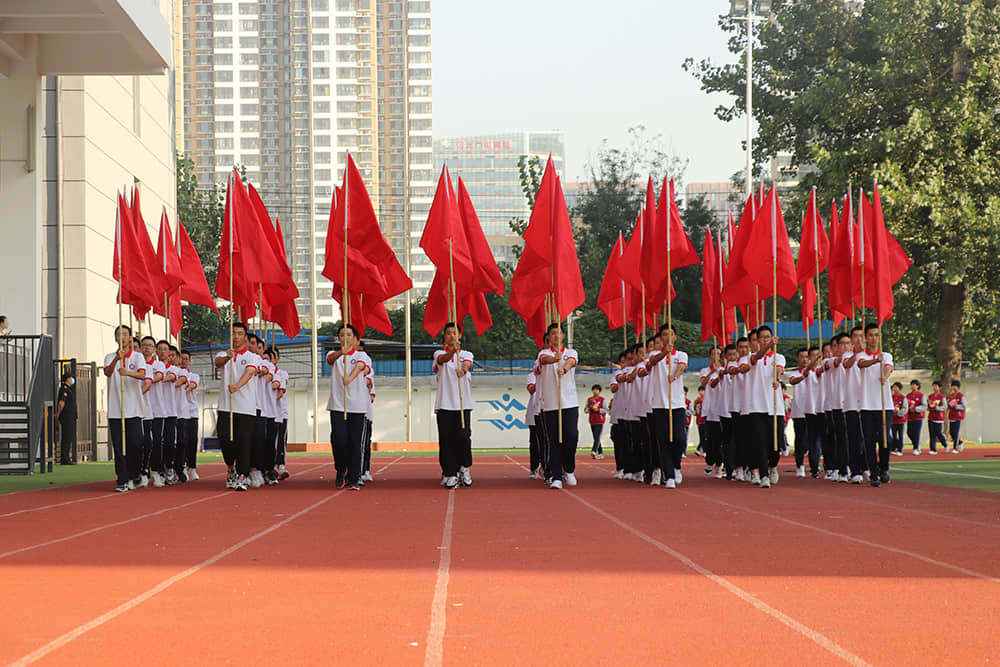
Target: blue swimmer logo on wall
x,y
508,421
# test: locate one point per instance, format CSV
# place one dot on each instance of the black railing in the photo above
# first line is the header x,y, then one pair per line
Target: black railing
x,y
27,392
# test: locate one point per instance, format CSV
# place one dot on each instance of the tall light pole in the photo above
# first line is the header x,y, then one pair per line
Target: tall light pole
x,y
743,10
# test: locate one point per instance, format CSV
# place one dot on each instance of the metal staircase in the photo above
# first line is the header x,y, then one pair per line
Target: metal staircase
x,y
27,393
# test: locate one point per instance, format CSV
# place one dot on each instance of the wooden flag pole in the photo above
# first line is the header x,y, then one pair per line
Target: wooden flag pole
x,y
454,318
819,301
774,297
121,321
806,321
347,294
232,307
881,364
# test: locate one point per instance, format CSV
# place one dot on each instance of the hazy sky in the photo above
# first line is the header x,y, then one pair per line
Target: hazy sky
x,y
590,68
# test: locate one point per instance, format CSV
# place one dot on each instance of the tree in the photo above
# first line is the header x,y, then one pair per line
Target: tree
x,y
906,91
201,210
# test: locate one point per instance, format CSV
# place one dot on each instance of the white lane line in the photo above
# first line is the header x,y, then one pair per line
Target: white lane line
x,y
434,650
78,500
97,529
80,630
817,637
76,632
850,538
942,472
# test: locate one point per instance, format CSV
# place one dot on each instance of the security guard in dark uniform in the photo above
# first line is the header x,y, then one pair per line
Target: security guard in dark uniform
x,y
66,414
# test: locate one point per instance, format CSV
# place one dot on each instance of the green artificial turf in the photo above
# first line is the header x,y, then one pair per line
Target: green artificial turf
x,y
983,475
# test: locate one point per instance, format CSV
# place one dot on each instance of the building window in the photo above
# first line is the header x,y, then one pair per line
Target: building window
x,y
248,8
321,5
225,59
248,92
222,8
249,126
223,76
321,72
321,90
248,58
223,109
248,110
223,42
320,22
419,40
248,25
321,174
321,123
223,26
223,93
248,42
223,126
321,107
320,55
223,159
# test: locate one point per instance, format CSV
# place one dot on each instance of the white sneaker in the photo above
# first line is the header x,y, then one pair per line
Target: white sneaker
x,y
857,479
866,475
367,477
143,482
954,451
916,452
283,472
772,475
131,485
256,479
800,471
657,478
192,475
556,484
619,474
755,477
896,453
765,483
710,472
738,475
678,477
671,484
450,482
720,473
157,480
933,452
844,479
171,477
464,476
639,476
532,475
443,479
569,478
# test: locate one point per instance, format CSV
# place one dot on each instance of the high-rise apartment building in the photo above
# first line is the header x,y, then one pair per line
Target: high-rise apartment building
x,y
287,88
488,165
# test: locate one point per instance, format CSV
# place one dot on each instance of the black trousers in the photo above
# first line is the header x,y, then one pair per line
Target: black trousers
x,y
727,444
346,438
366,457
955,427
855,441
535,446
562,451
126,460
452,437
713,443
67,440
765,450
258,443
633,460
154,444
702,433
237,446
743,440
936,431
181,451
191,456
815,428
617,444
269,445
279,457
801,439
595,430
838,433
650,453
671,446
876,447
169,443
913,429
896,437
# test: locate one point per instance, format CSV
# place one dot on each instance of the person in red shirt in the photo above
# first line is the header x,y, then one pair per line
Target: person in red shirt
x,y
899,410
597,414
936,409
916,407
956,413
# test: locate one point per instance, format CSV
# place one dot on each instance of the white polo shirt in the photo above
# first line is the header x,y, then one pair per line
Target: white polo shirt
x,y
153,398
449,382
851,385
180,398
133,387
370,383
281,377
358,398
244,401
532,409
646,388
708,401
168,391
762,397
871,388
816,398
191,397
625,394
614,412
800,395
667,366
548,381
267,399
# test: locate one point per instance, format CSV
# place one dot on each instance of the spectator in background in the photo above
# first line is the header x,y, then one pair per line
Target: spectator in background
x,y
597,414
899,410
66,414
5,329
956,413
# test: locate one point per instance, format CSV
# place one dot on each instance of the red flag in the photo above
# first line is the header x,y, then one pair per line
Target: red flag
x,y
727,316
839,276
769,254
271,249
128,266
195,287
285,315
808,309
641,314
679,248
488,278
170,264
373,273
862,265
611,299
739,288
710,311
814,248
548,265
443,240
146,253
649,271
233,248
890,260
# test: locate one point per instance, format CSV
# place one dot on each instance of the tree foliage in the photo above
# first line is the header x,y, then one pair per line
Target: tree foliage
x,y
907,91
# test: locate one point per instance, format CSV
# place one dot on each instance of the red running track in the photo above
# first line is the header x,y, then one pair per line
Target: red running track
x,y
504,573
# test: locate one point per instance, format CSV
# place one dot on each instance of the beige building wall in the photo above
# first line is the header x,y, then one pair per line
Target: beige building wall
x,y
117,131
